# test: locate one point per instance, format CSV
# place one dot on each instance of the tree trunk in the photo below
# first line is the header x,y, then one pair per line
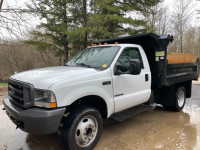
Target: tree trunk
x,y
85,42
66,43
1,3
60,61
66,50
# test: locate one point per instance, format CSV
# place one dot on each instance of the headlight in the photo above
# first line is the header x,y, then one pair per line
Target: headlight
x,y
45,99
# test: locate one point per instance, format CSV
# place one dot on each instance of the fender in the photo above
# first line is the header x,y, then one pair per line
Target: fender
x,y
66,93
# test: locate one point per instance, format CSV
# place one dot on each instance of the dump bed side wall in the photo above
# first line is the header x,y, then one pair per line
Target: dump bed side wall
x,y
176,73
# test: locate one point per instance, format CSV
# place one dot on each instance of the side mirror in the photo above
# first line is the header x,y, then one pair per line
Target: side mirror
x,y
135,67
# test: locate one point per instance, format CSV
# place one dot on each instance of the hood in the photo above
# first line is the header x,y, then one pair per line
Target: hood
x,y
43,78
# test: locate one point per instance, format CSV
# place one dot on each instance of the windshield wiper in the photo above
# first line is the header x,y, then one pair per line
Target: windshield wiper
x,y
84,65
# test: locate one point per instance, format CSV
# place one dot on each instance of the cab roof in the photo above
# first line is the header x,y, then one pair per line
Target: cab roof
x,y
121,45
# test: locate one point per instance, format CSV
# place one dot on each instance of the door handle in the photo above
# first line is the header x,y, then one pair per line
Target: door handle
x,y
106,83
146,77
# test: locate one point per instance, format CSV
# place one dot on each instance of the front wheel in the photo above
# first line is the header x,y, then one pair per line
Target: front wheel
x,y
82,129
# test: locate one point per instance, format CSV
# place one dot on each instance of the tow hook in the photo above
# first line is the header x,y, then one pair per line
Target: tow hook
x,y
3,109
19,124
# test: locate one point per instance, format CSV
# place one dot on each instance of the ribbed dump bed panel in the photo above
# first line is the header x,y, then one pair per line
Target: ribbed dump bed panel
x,y
181,72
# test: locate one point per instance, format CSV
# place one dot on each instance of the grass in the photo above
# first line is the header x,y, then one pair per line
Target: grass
x,y
3,84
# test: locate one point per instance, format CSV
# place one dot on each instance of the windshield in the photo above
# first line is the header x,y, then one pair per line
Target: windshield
x,y
95,57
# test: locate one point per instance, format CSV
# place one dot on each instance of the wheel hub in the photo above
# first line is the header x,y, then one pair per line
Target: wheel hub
x,y
181,98
86,131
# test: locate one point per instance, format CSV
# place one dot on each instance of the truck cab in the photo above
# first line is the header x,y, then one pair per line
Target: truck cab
x,y
101,81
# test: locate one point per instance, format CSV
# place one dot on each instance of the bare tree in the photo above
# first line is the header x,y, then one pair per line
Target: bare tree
x,y
190,37
157,18
15,19
17,57
182,13
162,19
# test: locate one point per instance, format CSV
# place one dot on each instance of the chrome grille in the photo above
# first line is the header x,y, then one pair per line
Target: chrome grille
x,y
20,93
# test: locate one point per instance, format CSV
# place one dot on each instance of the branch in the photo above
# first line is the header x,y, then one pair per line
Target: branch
x,y
18,10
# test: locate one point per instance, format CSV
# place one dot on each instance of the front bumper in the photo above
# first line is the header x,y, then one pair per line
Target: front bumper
x,y
34,120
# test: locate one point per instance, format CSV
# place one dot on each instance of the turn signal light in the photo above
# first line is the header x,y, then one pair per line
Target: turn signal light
x,y
105,43
52,105
94,44
99,43
116,43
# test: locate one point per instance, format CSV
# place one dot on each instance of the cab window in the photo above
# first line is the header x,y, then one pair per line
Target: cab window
x,y
125,57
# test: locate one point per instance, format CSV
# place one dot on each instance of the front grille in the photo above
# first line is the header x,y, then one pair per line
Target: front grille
x,y
20,93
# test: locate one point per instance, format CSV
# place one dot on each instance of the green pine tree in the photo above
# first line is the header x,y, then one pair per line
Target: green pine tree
x,y
70,25
53,33
110,18
146,9
81,14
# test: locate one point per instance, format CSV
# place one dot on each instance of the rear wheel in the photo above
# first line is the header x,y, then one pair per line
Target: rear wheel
x,y
82,129
179,100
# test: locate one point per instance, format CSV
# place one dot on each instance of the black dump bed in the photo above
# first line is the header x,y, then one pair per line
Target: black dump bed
x,y
155,47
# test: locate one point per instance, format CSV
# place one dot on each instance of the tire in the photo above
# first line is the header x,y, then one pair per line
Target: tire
x,y
179,100
82,129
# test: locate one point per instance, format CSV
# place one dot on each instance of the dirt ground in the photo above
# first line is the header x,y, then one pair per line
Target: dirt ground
x,y
196,82
157,129
3,92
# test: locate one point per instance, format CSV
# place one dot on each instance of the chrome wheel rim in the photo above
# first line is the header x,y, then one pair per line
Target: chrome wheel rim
x,y
181,98
86,131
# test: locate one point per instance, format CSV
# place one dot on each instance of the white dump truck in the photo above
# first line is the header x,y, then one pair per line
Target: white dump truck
x,y
114,78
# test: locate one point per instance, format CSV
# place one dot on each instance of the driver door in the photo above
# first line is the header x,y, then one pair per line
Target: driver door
x,y
130,90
